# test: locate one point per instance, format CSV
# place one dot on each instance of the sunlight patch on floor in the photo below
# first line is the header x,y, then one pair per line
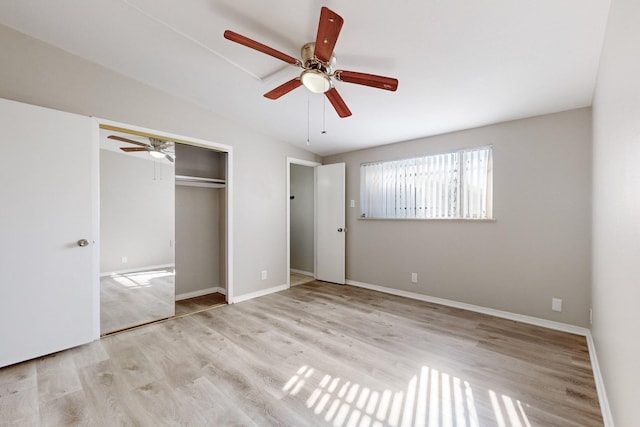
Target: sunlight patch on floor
x,y
431,398
140,279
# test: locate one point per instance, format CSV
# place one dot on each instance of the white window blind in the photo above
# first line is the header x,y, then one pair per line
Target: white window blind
x,y
456,185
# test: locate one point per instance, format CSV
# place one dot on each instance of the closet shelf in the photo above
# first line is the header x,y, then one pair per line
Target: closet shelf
x,y
197,181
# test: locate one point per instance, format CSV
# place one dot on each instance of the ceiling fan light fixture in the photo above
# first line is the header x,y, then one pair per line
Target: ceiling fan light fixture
x,y
156,154
316,81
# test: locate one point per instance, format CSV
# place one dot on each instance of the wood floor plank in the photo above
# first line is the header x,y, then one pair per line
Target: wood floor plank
x,y
192,305
314,355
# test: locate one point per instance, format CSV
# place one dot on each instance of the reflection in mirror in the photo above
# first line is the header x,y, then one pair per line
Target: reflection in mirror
x,y
137,193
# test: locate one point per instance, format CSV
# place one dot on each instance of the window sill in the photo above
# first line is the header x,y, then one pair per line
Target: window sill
x,y
429,219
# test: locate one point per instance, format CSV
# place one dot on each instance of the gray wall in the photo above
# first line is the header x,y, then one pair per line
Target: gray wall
x,y
136,212
198,252
302,218
538,247
36,73
200,225
616,211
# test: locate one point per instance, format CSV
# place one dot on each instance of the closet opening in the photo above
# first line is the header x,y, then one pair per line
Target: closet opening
x,y
200,197
164,234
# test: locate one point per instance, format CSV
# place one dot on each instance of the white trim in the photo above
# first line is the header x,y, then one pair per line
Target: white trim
x,y
309,163
564,327
261,293
229,232
136,270
168,135
597,376
306,273
201,292
95,227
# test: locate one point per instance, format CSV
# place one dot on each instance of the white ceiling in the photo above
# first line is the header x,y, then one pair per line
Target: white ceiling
x,y
460,63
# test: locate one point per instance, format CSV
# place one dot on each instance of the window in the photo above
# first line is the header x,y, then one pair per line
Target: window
x,y
456,185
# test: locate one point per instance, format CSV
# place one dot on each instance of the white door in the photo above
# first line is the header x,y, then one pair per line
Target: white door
x,y
48,289
330,225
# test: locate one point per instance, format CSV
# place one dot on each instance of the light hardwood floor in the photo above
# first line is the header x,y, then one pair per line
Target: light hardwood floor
x,y
195,304
298,279
314,355
132,299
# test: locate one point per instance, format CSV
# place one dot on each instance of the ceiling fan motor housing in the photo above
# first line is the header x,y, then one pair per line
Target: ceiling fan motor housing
x,y
316,74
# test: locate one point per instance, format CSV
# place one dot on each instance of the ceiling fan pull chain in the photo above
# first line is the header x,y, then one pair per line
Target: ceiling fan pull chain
x,y
308,120
324,115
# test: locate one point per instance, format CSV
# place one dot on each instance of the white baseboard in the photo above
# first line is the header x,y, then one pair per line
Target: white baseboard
x,y
138,269
564,327
597,376
257,294
200,292
306,273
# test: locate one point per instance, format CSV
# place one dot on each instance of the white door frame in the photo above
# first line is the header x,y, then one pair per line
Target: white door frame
x,y
229,182
294,161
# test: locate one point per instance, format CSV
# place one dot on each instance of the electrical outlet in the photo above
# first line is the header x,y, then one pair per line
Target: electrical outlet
x,y
353,204
414,277
591,316
263,274
124,260
556,304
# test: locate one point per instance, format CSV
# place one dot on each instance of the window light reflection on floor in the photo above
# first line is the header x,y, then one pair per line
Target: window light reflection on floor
x,y
516,417
141,279
431,398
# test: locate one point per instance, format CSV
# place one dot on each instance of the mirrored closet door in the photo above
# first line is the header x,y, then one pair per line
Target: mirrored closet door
x,y
137,199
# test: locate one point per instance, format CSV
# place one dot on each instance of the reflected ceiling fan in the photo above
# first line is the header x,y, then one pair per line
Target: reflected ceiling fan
x,y
156,147
318,64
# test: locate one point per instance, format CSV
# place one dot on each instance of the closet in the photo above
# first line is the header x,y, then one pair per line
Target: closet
x,y
163,228
200,225
52,233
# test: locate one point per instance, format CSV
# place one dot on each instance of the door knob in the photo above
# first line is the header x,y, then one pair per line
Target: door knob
x,y
83,242
339,230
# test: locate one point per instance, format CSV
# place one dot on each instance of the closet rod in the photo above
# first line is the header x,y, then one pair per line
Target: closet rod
x,y
197,181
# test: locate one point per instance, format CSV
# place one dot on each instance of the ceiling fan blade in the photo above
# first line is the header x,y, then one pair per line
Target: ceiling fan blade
x,y
372,80
245,41
338,103
283,89
130,141
328,31
170,158
130,149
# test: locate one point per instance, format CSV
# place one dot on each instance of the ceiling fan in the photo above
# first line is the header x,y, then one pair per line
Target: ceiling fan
x,y
156,147
318,63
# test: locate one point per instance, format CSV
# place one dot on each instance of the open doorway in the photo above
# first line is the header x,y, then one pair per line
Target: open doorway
x,y
300,221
